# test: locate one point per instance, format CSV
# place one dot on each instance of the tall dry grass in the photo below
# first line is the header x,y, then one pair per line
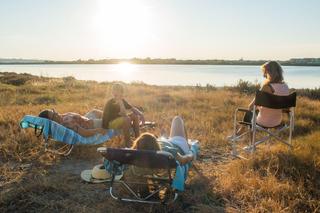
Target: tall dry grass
x,y
273,180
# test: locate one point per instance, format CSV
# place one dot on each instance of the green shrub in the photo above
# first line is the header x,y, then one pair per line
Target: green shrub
x,y
22,101
68,79
309,93
16,79
246,87
45,100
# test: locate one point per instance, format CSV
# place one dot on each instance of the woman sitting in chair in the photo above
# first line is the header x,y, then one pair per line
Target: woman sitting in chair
x,y
119,114
273,84
177,144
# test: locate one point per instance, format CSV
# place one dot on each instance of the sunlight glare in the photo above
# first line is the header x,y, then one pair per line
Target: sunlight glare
x,y
125,67
123,26
125,71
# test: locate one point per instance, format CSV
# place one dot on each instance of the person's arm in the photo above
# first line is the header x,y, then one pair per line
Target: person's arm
x,y
183,159
126,104
90,132
135,110
265,88
82,131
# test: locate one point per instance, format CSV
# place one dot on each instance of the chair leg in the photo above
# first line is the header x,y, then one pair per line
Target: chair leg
x,y
234,151
274,135
65,150
254,130
252,146
291,129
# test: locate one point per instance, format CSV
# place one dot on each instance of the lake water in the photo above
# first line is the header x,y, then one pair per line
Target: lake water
x,y
218,75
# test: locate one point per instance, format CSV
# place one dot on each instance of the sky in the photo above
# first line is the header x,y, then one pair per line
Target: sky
x,y
182,29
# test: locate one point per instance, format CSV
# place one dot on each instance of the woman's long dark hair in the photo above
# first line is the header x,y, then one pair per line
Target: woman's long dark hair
x,y
146,141
275,71
105,116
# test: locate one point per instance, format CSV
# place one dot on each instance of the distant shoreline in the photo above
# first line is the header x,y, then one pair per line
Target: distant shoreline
x,y
169,61
283,64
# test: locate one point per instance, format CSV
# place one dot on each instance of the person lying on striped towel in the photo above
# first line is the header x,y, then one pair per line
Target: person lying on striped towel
x,y
85,126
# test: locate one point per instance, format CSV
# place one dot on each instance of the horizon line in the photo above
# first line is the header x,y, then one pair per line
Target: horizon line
x,y
155,58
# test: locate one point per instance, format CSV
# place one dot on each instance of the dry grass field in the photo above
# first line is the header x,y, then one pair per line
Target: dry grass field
x,y
273,180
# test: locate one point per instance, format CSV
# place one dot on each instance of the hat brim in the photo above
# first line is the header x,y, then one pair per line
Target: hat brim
x,y
86,175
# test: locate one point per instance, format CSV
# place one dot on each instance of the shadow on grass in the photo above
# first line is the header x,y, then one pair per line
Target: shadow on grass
x,y
199,195
302,172
59,188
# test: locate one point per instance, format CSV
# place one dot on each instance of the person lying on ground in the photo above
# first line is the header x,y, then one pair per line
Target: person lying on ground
x,y
119,114
82,125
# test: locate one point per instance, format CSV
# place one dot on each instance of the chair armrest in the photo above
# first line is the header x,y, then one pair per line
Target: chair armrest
x,y
242,109
245,123
102,149
287,110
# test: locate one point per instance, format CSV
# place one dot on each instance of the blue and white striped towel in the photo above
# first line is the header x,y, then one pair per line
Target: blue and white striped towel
x,y
182,170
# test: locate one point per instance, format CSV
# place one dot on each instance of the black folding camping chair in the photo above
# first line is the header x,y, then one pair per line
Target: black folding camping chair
x,y
155,160
264,99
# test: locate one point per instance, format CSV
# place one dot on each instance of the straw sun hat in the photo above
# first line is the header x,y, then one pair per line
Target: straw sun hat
x,y
98,175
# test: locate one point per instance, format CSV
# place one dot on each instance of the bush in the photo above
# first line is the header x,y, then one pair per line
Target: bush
x,y
309,93
16,79
45,100
210,87
69,79
22,101
247,87
207,87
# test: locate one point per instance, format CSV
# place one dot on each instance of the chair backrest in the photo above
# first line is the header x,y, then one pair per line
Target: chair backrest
x,y
274,101
141,158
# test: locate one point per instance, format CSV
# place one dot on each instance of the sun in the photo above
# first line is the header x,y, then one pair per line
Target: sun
x,y
123,26
125,67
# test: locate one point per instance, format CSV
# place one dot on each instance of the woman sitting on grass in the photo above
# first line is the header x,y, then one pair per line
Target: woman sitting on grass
x,y
115,115
274,84
81,124
177,144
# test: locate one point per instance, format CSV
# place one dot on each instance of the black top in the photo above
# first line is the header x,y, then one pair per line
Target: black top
x,y
111,111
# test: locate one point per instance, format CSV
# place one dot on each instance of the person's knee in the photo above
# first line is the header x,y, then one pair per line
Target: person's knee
x,y
177,119
94,112
97,111
126,122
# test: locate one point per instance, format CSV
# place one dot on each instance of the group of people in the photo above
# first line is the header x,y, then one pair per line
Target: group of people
x,y
119,114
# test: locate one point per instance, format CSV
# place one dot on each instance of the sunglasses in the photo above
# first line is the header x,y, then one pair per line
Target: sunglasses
x,y
54,113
